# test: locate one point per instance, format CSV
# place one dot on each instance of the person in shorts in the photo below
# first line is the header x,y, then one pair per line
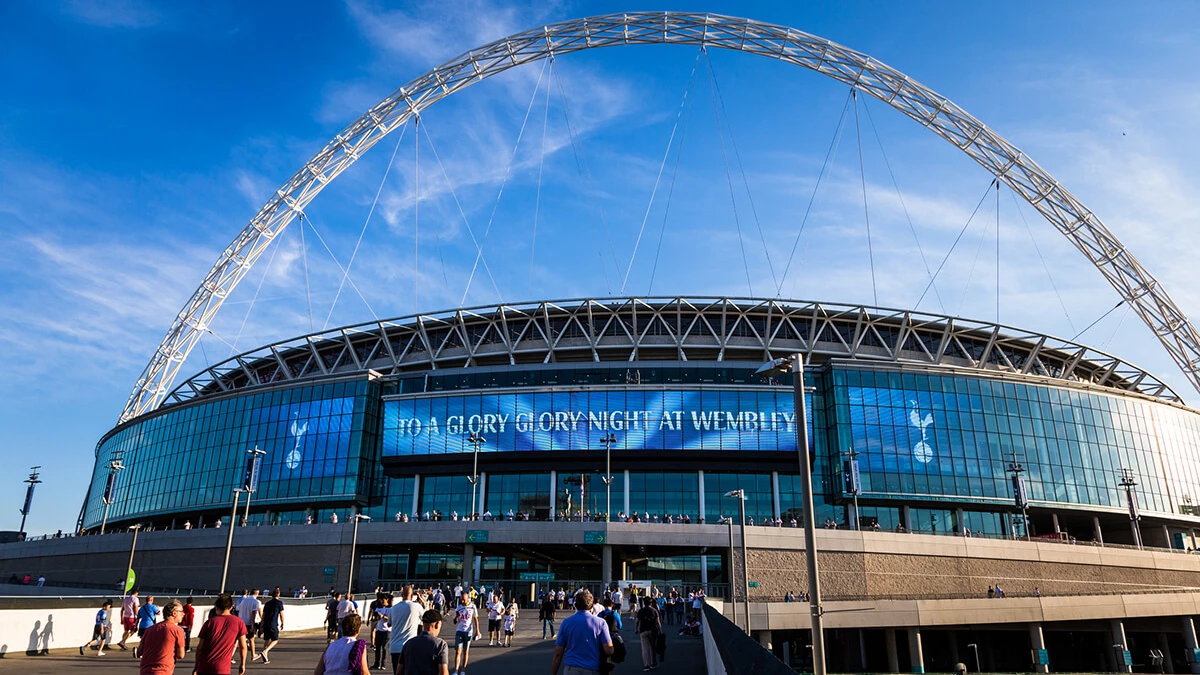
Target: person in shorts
x,y
272,623
495,608
510,623
129,611
249,609
466,629
102,631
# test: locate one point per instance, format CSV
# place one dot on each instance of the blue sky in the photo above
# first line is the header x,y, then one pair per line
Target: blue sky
x,y
136,139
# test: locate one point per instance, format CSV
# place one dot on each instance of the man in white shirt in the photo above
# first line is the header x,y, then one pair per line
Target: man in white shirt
x,y
405,617
249,610
495,607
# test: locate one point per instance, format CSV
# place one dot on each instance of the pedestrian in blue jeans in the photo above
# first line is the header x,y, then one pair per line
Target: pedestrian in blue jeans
x,y
546,614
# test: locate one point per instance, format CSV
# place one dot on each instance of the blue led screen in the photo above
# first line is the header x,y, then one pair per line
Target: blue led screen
x,y
709,419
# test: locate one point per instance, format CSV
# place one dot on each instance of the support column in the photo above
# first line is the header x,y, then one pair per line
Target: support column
x,y
553,495
1054,521
916,656
1006,526
1037,640
1097,533
906,519
961,521
1118,638
704,573
787,653
775,493
1165,647
700,482
606,565
1193,535
764,639
893,655
416,504
1189,643
482,487
626,491
1167,535
954,647
468,564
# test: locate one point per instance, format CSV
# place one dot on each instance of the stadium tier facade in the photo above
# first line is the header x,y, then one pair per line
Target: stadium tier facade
x,y
379,418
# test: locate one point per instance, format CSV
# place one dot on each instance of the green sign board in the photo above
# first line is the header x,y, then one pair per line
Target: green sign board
x,y
752,584
1043,657
1128,657
537,576
329,571
477,536
596,537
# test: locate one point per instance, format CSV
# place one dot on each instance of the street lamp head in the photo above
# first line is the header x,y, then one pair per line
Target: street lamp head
x,y
736,494
780,366
476,439
135,526
359,516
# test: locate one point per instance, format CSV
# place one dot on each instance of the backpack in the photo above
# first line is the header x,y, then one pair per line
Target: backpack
x,y
619,653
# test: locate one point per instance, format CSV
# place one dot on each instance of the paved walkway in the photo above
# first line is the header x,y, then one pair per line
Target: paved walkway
x,y
299,654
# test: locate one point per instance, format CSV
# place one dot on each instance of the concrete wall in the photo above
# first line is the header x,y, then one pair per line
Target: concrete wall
x,y
33,628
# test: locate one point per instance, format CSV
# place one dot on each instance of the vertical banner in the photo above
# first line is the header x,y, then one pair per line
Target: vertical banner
x,y
1020,497
253,466
110,487
852,476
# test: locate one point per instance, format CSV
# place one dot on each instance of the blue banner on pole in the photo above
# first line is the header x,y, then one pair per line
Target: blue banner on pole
x,y
253,466
110,487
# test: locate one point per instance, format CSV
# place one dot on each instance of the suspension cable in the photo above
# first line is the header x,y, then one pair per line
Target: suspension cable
x,y
461,212
862,173
250,308
745,181
983,232
658,179
307,286
675,171
728,176
350,281
537,203
503,182
830,153
997,251
1124,315
1090,325
363,231
416,213
581,166
1042,258
954,245
903,206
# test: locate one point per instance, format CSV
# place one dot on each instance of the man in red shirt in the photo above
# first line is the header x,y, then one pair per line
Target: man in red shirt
x,y
218,636
162,643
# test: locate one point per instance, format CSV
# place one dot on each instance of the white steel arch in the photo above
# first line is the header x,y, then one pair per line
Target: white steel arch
x,y
1066,213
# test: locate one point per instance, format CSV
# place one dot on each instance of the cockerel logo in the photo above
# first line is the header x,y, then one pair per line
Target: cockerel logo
x,y
298,430
922,451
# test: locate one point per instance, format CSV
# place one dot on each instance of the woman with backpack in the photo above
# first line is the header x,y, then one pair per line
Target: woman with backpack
x,y
346,655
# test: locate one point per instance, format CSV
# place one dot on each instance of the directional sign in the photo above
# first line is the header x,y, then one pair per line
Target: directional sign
x,y
329,571
1043,657
537,576
594,537
477,536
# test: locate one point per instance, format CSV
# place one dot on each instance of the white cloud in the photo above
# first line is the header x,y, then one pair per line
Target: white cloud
x,y
113,13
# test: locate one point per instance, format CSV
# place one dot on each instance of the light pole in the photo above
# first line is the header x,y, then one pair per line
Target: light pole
x,y
1020,494
975,648
110,488
1129,482
354,545
795,365
125,585
475,440
740,495
252,472
608,440
732,576
853,484
33,480
237,492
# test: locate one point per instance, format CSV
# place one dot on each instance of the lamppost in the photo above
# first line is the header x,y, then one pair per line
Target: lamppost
x,y
358,517
1129,482
125,585
237,493
732,576
475,440
975,647
608,440
252,471
110,488
1020,494
853,484
795,365
33,480
740,495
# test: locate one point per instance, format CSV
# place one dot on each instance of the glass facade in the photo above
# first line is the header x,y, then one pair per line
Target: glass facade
x,y
941,437
519,493
320,443
660,494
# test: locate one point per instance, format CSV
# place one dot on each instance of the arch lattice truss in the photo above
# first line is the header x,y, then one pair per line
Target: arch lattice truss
x,y
1070,217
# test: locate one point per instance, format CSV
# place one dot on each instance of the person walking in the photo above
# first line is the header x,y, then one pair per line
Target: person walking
x,y
582,639
648,625
129,610
102,631
146,616
162,644
186,623
347,654
546,614
495,607
272,624
510,622
405,618
217,639
466,629
381,635
331,615
426,654
249,610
